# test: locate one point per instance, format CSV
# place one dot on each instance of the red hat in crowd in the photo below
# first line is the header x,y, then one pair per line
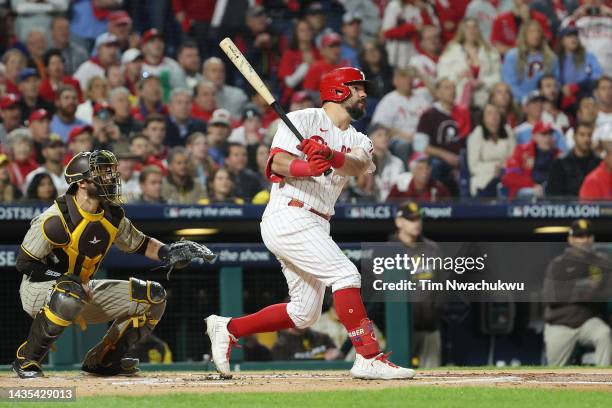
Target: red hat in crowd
x,y
38,114
9,100
77,131
150,34
119,17
330,39
300,97
541,127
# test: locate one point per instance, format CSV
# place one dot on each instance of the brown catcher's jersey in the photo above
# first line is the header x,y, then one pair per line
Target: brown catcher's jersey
x,y
79,240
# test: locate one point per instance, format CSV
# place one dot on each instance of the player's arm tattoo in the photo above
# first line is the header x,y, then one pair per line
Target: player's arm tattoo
x,y
356,163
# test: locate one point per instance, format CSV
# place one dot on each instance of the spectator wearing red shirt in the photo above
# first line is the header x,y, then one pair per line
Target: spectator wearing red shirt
x,y
450,13
204,101
507,25
402,21
528,168
330,50
598,184
421,186
296,60
56,76
195,17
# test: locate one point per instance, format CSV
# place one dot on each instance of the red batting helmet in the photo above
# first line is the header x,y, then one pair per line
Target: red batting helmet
x,y
334,84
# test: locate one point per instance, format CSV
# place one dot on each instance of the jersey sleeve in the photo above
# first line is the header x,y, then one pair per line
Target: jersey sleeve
x,y
285,139
129,238
35,243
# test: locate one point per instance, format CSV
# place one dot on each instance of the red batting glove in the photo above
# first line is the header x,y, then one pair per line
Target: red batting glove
x,y
314,148
323,150
309,146
318,165
335,158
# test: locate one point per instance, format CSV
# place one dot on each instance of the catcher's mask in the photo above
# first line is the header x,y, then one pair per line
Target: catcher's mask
x,y
98,167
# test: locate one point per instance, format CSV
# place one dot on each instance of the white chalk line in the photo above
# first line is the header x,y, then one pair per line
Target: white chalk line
x,y
153,381
425,380
476,380
570,382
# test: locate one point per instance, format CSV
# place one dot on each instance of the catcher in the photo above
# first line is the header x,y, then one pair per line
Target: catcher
x,y
60,255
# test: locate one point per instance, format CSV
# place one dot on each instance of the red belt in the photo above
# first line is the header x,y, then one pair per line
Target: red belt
x,y
298,203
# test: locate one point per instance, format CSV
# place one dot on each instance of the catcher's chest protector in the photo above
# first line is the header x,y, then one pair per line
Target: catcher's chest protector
x,y
81,239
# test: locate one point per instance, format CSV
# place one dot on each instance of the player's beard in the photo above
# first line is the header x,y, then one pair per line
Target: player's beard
x,y
93,191
357,109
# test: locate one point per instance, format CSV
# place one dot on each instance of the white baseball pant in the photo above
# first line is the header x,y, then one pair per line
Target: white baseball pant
x,y
310,260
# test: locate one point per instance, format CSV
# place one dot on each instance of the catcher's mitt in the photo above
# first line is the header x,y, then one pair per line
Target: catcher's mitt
x,y
179,254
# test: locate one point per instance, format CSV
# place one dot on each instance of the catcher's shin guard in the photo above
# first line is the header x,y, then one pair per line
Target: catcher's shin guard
x,y
107,357
65,304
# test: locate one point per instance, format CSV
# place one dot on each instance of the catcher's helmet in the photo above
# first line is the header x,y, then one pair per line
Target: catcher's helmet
x,y
99,167
334,85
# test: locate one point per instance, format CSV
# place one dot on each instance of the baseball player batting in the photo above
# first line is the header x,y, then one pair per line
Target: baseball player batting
x,y
60,255
295,227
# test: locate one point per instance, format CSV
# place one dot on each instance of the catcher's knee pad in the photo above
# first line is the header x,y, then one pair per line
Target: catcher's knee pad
x,y
66,302
147,291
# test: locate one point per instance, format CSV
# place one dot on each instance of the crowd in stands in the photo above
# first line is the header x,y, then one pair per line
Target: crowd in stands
x,y
502,99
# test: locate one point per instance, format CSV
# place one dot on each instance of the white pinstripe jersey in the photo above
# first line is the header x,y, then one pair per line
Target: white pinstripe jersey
x,y
319,193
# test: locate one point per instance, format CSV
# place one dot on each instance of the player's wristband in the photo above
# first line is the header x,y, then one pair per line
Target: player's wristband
x,y
299,168
163,252
337,159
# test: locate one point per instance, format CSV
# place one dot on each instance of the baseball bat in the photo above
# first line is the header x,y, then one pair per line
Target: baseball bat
x,y
237,58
